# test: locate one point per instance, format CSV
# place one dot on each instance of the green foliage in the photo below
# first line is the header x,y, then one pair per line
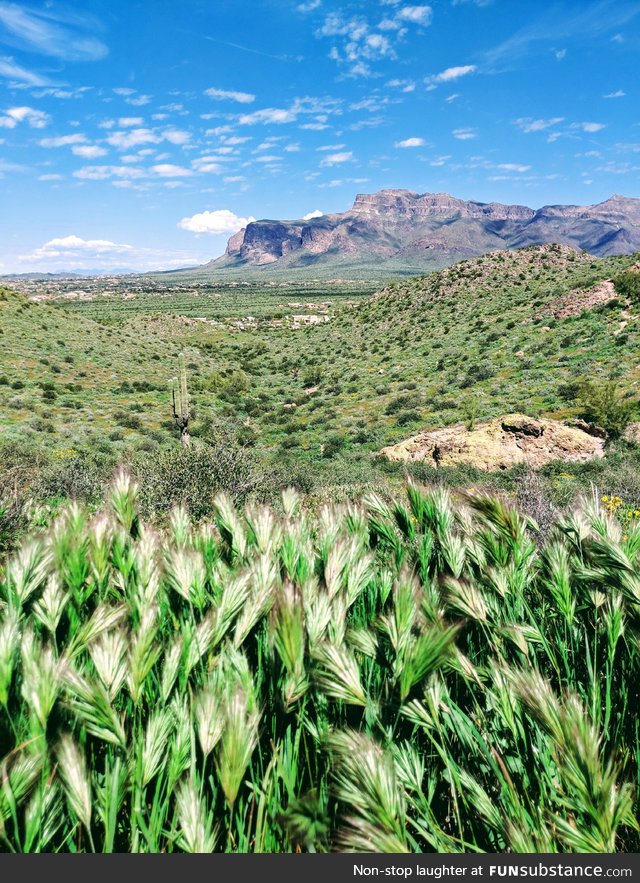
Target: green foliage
x,y
470,411
194,475
373,678
603,403
627,285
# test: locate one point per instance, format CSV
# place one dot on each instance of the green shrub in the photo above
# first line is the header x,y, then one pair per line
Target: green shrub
x,y
193,476
627,284
602,403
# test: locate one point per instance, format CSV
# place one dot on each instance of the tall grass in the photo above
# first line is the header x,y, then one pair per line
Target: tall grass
x,y
388,677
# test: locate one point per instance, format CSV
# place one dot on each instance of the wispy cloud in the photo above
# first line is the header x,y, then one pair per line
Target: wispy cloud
x,y
267,115
12,71
590,128
104,173
618,94
464,134
333,159
528,124
230,95
411,142
451,74
589,22
250,49
63,140
67,37
403,85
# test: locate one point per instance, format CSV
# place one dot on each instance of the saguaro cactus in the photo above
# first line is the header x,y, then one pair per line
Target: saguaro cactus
x,y
180,402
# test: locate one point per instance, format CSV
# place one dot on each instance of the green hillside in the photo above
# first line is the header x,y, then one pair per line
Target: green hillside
x,y
87,380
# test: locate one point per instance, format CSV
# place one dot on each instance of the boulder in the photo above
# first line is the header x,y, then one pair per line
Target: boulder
x,y
500,444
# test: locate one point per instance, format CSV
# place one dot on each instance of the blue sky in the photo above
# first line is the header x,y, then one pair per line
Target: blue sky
x,y
142,134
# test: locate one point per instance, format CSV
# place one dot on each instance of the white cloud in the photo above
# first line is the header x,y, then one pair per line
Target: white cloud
x,y
168,170
589,127
76,242
452,73
50,177
618,94
331,147
103,173
230,95
314,214
75,252
88,151
37,119
335,158
176,136
132,138
267,115
62,140
208,165
215,223
139,100
420,15
411,142
512,167
464,134
308,7
358,43
404,85
127,122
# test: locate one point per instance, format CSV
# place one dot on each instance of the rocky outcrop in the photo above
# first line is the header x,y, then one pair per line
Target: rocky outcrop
x,y
577,301
430,230
500,444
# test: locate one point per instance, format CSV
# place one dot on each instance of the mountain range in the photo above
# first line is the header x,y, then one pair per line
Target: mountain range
x,y
403,232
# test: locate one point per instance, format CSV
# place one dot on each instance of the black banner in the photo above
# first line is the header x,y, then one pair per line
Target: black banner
x,y
333,868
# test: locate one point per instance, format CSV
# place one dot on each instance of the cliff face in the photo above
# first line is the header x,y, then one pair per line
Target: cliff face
x,y
430,229
406,204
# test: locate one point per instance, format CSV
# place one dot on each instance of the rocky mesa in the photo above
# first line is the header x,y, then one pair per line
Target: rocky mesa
x,y
403,231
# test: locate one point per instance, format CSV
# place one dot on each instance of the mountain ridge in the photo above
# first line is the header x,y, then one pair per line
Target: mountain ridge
x,y
402,230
